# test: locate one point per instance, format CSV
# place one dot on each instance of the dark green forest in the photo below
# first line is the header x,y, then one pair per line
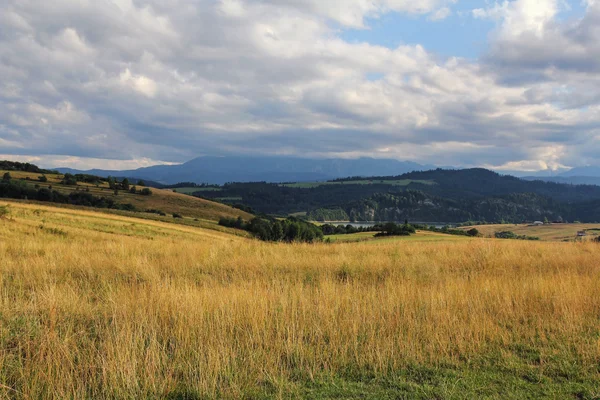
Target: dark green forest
x,y
457,196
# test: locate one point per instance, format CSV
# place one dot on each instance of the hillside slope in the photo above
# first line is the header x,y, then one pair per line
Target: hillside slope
x,y
160,200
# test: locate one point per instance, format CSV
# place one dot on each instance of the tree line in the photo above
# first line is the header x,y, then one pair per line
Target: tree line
x,y
19,190
274,230
24,167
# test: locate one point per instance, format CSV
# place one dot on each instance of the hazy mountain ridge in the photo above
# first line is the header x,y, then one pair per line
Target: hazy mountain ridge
x,y
569,180
219,170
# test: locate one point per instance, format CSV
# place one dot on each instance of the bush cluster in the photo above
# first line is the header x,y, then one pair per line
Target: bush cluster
x,y
329,229
512,235
392,229
159,212
18,166
273,230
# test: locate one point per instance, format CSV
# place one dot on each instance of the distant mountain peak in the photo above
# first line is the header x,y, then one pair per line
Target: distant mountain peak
x,y
222,169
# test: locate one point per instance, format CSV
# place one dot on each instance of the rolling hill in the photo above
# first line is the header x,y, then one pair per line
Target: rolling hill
x,y
431,196
160,201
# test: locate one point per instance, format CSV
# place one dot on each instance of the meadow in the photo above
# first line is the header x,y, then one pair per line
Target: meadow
x,y
548,232
95,305
420,236
398,182
165,200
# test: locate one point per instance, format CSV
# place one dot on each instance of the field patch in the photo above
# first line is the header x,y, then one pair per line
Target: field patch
x,y
192,190
106,306
402,182
549,232
420,236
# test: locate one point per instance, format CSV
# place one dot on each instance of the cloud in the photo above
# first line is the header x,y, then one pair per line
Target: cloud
x,y
440,14
352,13
533,39
139,83
146,80
521,16
85,163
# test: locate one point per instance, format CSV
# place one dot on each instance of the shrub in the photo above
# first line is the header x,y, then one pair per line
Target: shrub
x,y
43,178
4,211
473,232
146,192
133,190
69,179
176,215
7,177
512,235
392,229
159,212
125,184
54,231
269,229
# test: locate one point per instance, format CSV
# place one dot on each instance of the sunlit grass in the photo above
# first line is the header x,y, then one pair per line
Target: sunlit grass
x,y
420,236
550,232
102,306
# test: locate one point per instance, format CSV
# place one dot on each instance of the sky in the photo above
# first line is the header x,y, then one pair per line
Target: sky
x,y
120,84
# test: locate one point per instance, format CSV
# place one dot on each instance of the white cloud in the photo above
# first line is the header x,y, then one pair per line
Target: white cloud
x,y
170,81
139,83
352,13
69,40
521,16
83,163
440,14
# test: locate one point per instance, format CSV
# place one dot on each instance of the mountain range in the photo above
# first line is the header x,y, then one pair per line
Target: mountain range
x,y
219,170
575,176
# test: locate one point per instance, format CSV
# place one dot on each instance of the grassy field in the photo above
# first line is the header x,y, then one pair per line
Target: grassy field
x,y
420,236
551,232
191,190
401,182
164,200
104,306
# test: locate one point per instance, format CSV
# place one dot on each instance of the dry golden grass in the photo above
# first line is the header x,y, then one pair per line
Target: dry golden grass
x,y
550,232
97,306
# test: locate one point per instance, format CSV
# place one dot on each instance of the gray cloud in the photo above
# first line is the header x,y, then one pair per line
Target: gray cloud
x,y
150,81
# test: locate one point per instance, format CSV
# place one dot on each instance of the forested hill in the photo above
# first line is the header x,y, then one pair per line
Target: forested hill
x,y
479,182
435,195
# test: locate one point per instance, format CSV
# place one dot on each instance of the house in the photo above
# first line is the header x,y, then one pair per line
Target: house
x,y
538,223
581,234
